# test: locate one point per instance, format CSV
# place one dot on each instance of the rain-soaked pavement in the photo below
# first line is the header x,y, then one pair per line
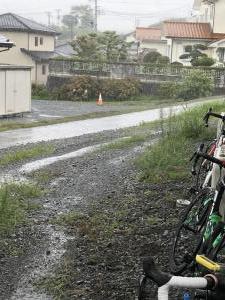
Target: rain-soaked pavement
x,y
78,128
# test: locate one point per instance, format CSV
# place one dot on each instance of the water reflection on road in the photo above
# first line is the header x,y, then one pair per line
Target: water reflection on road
x,y
78,128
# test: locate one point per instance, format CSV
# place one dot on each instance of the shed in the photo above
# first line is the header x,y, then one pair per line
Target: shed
x,y
15,89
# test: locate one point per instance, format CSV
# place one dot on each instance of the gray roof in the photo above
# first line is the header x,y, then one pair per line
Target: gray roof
x,y
13,22
5,43
65,50
39,56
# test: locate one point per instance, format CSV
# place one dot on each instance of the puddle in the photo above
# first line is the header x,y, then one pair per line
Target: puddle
x,y
50,116
42,265
78,128
38,164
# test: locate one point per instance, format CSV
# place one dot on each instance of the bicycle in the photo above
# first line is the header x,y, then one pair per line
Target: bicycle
x,y
209,287
200,228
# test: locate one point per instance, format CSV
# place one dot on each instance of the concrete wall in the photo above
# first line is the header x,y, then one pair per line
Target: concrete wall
x,y
149,87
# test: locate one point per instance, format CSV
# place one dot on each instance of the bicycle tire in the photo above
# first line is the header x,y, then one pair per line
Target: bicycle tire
x,y
203,170
189,233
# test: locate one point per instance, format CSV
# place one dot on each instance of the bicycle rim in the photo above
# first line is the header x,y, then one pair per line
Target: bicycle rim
x,y
188,237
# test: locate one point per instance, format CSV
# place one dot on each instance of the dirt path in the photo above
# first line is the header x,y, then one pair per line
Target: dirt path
x,y
94,225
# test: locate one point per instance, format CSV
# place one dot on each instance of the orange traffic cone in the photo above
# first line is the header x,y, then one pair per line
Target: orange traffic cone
x,y
100,101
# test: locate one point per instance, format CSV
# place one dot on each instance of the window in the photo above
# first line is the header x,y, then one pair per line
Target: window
x,y
36,41
41,41
44,69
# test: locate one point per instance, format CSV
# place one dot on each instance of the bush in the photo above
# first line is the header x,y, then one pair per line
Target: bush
x,y
39,92
88,88
203,61
155,57
79,88
151,57
167,90
120,89
196,85
177,63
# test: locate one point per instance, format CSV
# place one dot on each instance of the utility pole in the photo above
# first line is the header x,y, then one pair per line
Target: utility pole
x,y
58,16
96,16
49,14
96,12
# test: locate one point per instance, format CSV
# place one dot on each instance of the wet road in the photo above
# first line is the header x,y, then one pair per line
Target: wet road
x,y
78,128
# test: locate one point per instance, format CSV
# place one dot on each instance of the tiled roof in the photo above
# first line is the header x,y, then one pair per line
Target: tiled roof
x,y
190,30
148,33
13,22
5,43
64,49
39,56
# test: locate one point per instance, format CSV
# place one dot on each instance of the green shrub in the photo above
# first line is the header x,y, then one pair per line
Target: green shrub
x,y
167,90
196,85
120,89
203,61
88,88
39,92
79,88
151,57
177,63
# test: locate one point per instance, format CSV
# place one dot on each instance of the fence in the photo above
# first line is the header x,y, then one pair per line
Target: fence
x,y
142,72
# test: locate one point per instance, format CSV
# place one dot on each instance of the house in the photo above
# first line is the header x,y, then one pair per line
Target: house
x,y
150,39
180,34
207,27
34,44
15,84
64,49
5,43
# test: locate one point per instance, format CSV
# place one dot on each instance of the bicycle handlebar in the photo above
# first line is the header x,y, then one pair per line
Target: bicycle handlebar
x,y
214,282
208,157
210,113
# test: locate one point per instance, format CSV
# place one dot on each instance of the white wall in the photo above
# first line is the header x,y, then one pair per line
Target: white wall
x,y
48,42
17,57
15,90
178,48
219,23
154,45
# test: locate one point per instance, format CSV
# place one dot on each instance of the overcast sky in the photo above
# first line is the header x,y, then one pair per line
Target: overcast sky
x,y
119,15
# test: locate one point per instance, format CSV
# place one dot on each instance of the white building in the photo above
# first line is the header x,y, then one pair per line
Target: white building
x,y
207,27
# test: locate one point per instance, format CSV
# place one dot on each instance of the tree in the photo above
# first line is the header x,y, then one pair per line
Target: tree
x,y
79,21
85,15
112,46
87,46
155,57
107,46
196,56
70,21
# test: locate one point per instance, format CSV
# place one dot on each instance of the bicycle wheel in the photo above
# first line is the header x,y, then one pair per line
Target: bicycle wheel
x,y
204,167
188,236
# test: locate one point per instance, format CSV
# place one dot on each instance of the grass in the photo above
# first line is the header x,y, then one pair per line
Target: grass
x,y
169,158
20,155
124,142
15,203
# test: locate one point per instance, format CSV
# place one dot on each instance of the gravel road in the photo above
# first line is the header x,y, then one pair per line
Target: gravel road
x,y
118,221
